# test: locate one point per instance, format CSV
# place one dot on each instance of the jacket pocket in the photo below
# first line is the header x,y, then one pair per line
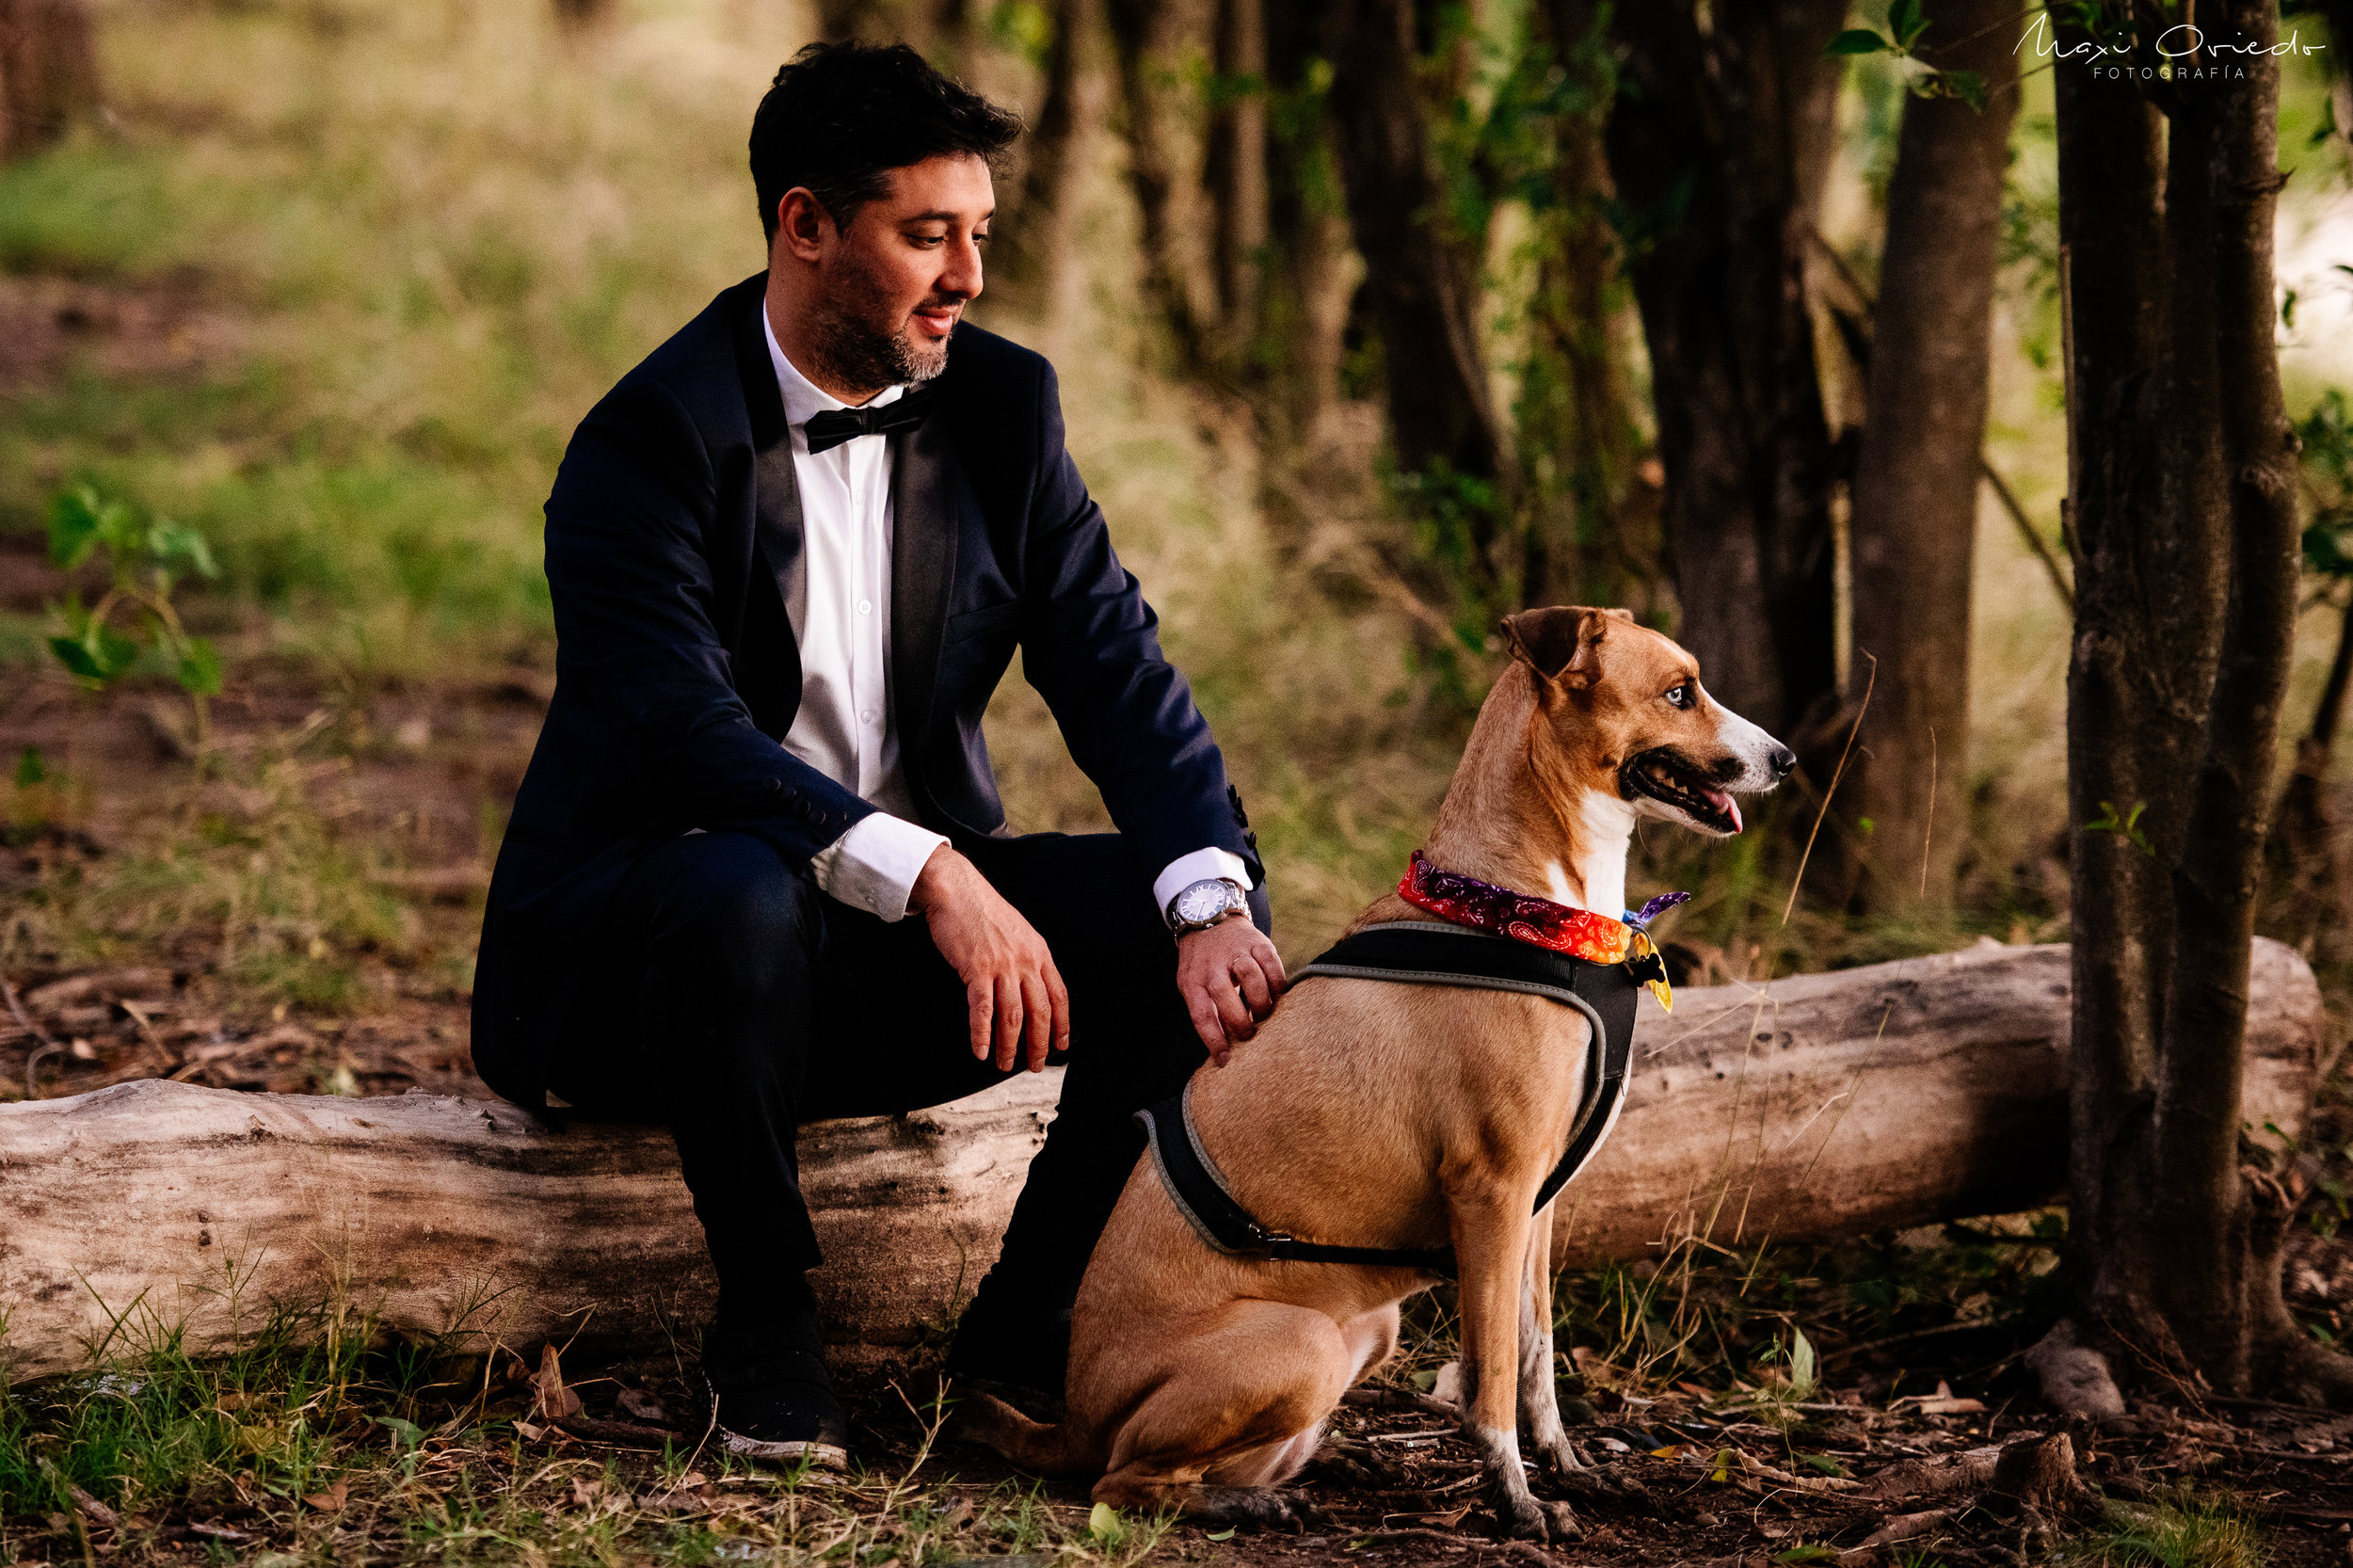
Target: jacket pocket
x,y
987,618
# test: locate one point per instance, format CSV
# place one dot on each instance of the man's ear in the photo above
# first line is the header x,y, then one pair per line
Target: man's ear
x,y
1559,643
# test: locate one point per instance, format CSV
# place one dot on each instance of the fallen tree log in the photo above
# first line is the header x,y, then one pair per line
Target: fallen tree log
x,y
1812,1108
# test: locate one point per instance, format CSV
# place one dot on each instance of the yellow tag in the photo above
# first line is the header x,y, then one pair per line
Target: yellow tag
x,y
1642,948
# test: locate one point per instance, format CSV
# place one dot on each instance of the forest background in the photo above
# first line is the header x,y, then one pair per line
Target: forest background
x,y
328,284
1376,320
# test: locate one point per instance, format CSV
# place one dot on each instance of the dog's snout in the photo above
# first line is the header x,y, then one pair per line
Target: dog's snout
x,y
1780,761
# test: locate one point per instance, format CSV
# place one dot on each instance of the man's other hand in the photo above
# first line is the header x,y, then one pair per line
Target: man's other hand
x,y
1230,977
1012,993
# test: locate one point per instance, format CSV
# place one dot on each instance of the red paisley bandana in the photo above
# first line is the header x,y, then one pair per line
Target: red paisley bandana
x,y
1540,922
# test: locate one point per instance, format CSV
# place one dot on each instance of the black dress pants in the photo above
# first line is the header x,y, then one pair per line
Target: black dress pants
x,y
732,998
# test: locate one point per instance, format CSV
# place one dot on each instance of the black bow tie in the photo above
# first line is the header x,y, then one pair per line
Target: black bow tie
x,y
830,430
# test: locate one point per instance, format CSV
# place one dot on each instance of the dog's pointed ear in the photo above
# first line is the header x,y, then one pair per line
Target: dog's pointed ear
x,y
1559,643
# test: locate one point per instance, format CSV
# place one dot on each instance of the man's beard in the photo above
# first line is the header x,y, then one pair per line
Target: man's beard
x,y
856,353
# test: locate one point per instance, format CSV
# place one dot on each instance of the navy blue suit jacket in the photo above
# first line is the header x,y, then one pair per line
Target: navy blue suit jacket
x,y
673,542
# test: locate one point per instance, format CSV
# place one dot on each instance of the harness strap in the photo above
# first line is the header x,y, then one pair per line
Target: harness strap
x,y
1423,954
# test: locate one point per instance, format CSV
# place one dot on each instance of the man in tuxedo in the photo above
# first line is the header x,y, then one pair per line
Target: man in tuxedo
x,y
758,872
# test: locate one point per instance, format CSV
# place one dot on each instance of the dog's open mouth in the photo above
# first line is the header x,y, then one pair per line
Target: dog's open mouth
x,y
1667,779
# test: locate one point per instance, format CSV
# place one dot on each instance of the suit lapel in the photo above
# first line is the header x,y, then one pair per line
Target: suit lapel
x,y
776,525
927,499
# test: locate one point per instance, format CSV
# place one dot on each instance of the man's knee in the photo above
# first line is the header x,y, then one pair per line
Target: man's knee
x,y
730,903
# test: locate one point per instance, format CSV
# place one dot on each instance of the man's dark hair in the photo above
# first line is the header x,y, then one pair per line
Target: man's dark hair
x,y
839,117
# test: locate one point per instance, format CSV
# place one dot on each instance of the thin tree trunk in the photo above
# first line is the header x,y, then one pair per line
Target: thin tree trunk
x,y
1160,43
1422,288
1720,143
1577,437
1238,171
1309,277
2174,1242
2203,1205
1913,522
1072,102
48,72
2111,167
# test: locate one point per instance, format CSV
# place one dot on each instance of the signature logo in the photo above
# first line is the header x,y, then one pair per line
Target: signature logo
x,y
2177,46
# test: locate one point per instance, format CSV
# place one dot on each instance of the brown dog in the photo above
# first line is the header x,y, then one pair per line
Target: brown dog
x,y
1374,1113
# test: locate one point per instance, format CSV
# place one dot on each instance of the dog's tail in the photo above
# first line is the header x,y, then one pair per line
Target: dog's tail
x,y
1054,1451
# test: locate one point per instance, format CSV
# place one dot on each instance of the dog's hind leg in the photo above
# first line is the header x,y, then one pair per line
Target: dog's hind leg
x,y
1540,1396
1240,1407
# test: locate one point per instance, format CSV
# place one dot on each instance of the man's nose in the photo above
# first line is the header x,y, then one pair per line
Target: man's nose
x,y
962,276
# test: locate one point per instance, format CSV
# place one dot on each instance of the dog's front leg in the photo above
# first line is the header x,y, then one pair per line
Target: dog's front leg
x,y
1539,1398
1490,1235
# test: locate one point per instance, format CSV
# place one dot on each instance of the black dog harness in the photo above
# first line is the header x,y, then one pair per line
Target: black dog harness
x,y
1419,952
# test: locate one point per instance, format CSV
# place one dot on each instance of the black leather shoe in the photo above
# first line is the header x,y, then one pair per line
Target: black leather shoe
x,y
793,1420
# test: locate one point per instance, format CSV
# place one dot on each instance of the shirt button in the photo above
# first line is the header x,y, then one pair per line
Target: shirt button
x,y
865,606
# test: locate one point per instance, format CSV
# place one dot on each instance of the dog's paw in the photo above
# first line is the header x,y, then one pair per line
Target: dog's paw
x,y
1521,1517
1263,1506
1561,1519
1556,1455
1359,1465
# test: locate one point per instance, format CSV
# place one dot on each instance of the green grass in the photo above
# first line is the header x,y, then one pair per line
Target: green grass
x,y
2185,1528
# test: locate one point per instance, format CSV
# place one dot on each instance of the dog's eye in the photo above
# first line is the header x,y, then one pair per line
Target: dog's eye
x,y
1682,696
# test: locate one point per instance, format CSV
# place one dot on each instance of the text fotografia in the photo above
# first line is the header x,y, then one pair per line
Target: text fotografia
x,y
2185,53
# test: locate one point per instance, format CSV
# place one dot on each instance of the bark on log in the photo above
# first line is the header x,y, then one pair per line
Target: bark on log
x,y
1812,1108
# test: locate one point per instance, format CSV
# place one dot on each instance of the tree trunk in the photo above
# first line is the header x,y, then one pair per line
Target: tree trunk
x,y
1916,481
1161,47
1237,172
2171,727
48,73
1308,279
1073,101
1718,144
1892,1095
1420,283
1589,541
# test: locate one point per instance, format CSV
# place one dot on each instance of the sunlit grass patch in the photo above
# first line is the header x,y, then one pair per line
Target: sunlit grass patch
x,y
2185,1528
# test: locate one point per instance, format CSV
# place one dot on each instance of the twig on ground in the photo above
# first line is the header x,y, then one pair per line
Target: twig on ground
x,y
1402,1398
1510,1551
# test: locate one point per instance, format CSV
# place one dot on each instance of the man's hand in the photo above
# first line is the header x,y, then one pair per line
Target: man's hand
x,y
1230,977
1011,986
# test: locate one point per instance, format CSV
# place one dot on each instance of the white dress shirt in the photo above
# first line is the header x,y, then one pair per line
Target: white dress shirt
x,y
845,727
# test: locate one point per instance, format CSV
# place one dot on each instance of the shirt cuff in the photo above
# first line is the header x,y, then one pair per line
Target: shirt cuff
x,y
1201,865
874,866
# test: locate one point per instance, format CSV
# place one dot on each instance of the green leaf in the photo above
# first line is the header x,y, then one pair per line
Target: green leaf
x,y
1967,85
73,527
1105,1525
92,651
31,768
177,541
1859,41
1823,1463
199,668
1803,1364
1905,22
406,1433
1807,1551
1225,1534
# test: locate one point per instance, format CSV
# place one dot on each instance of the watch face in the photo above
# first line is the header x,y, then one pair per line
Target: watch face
x,y
1203,899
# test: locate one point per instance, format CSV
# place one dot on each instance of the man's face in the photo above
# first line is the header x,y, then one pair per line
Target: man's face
x,y
892,287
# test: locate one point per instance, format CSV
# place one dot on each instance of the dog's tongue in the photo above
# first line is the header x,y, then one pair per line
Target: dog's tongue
x,y
1725,803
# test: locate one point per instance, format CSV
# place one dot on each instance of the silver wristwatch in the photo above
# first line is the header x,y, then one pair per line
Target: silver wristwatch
x,y
1204,904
